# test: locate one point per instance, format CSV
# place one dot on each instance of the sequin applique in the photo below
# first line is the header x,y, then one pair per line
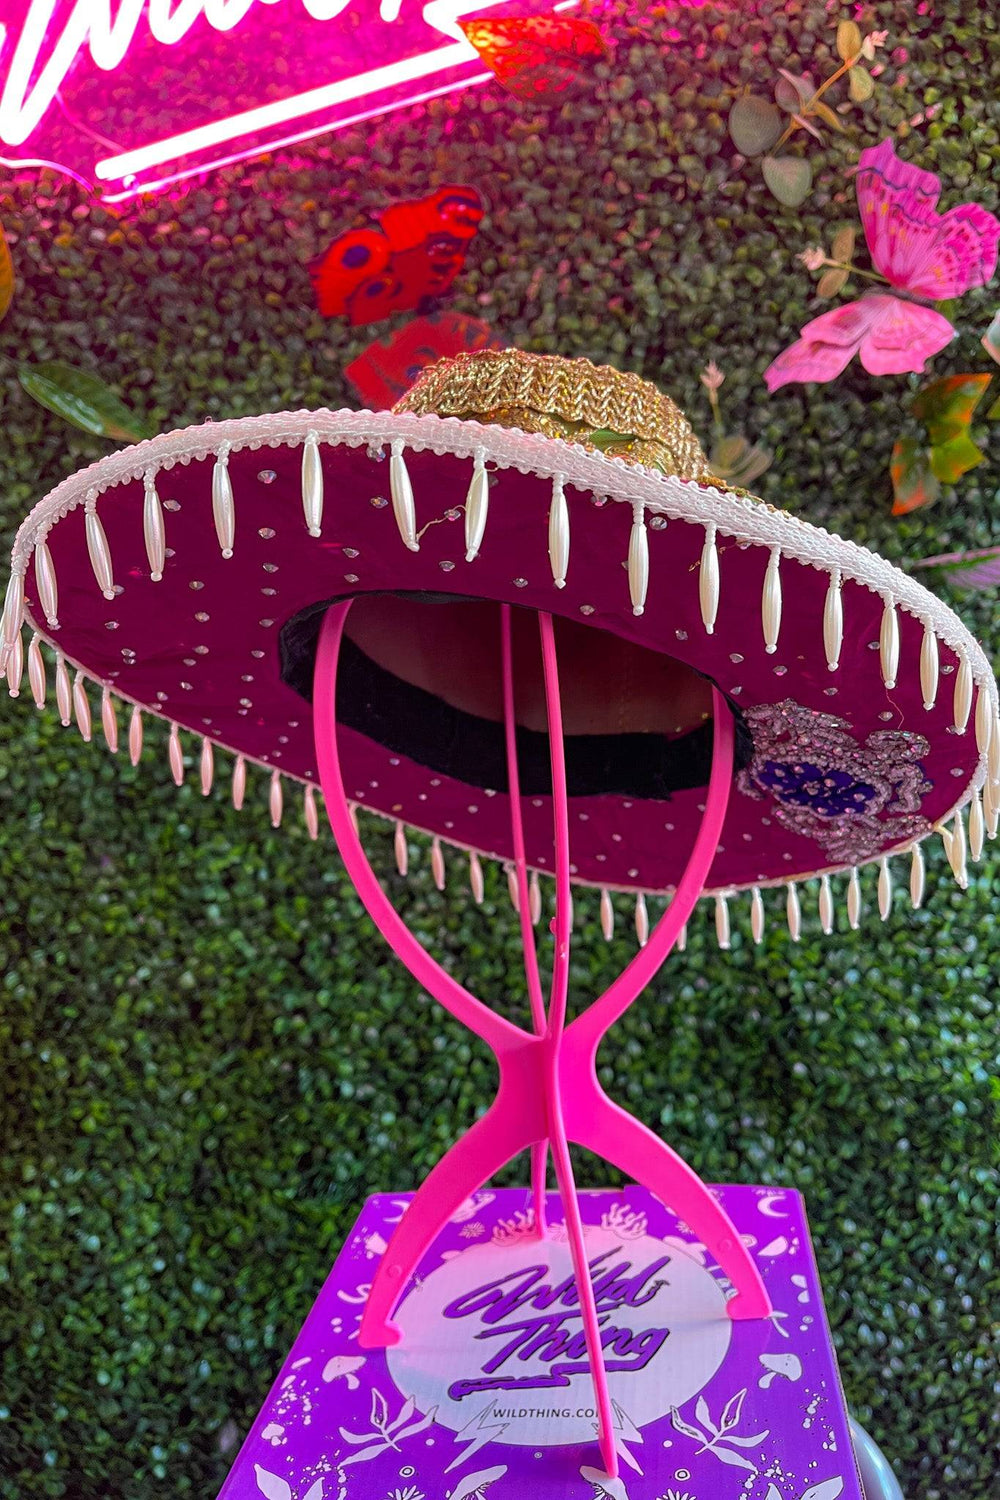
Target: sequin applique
x,y
852,799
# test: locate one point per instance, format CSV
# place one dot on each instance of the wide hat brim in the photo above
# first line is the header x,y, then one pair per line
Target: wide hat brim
x,y
872,709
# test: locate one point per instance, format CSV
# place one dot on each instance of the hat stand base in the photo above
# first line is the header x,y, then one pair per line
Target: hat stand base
x,y
488,1394
548,1092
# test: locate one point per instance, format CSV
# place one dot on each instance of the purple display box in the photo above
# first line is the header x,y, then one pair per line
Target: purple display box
x,y
487,1397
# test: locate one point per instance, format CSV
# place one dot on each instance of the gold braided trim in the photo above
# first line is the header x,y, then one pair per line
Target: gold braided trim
x,y
564,398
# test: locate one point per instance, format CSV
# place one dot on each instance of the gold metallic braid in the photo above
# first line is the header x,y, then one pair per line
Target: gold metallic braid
x,y
602,409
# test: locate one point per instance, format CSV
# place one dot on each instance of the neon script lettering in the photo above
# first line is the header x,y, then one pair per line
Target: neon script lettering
x,y
556,1338
31,84
135,94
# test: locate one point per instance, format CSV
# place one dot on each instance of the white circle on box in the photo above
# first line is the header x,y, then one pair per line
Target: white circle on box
x,y
494,1335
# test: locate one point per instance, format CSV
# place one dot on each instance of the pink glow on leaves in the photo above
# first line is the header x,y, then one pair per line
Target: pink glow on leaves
x,y
919,251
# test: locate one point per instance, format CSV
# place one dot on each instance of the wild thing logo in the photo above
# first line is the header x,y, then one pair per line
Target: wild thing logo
x,y
555,1337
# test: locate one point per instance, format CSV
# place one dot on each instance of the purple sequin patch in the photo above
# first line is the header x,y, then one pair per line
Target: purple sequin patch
x,y
852,799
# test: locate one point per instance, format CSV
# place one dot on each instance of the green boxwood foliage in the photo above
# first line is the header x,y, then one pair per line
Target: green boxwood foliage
x,y
208,1057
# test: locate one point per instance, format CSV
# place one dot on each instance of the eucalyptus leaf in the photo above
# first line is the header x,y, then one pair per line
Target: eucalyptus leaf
x,y
786,96
754,125
83,399
829,116
848,40
802,83
804,123
788,177
831,282
843,243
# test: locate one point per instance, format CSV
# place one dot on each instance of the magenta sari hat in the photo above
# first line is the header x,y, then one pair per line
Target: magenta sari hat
x,y
187,578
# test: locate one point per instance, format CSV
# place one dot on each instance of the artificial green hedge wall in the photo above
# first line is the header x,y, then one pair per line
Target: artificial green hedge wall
x,y
207,1057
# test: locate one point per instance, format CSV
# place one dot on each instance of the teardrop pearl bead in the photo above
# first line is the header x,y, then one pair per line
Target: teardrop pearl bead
x,y
312,485
310,812
607,916
771,604
36,672
559,533
109,721
757,914
477,504
135,735
207,766
833,621
239,782
275,799
176,755
437,864
641,920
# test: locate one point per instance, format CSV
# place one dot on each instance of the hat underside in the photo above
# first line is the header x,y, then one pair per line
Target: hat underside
x,y
828,652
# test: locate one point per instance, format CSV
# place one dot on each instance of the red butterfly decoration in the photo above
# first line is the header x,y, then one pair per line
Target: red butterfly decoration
x,y
410,257
389,367
537,57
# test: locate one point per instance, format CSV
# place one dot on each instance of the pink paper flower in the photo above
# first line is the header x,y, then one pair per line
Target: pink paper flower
x,y
924,254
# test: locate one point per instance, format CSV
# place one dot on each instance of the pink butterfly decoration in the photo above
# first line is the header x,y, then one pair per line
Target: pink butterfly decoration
x,y
925,254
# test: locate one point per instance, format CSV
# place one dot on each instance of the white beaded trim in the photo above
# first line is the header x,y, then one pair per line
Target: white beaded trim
x,y
646,492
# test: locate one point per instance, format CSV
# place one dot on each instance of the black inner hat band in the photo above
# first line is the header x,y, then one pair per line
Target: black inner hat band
x,y
410,721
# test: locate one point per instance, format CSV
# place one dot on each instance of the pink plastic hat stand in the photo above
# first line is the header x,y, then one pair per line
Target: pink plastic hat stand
x,y
548,1093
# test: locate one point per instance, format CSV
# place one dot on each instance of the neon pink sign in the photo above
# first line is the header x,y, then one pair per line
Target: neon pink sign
x,y
130,95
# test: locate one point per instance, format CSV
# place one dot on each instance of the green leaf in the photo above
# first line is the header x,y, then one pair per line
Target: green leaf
x,y
946,406
831,282
603,438
733,458
6,275
951,459
728,451
829,116
848,40
788,177
83,399
861,84
994,412
843,243
754,125
787,97
913,482
801,83
804,123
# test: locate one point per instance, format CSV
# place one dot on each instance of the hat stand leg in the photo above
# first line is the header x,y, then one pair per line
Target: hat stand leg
x,y
601,1126
540,1150
515,1121
544,1079
554,1033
